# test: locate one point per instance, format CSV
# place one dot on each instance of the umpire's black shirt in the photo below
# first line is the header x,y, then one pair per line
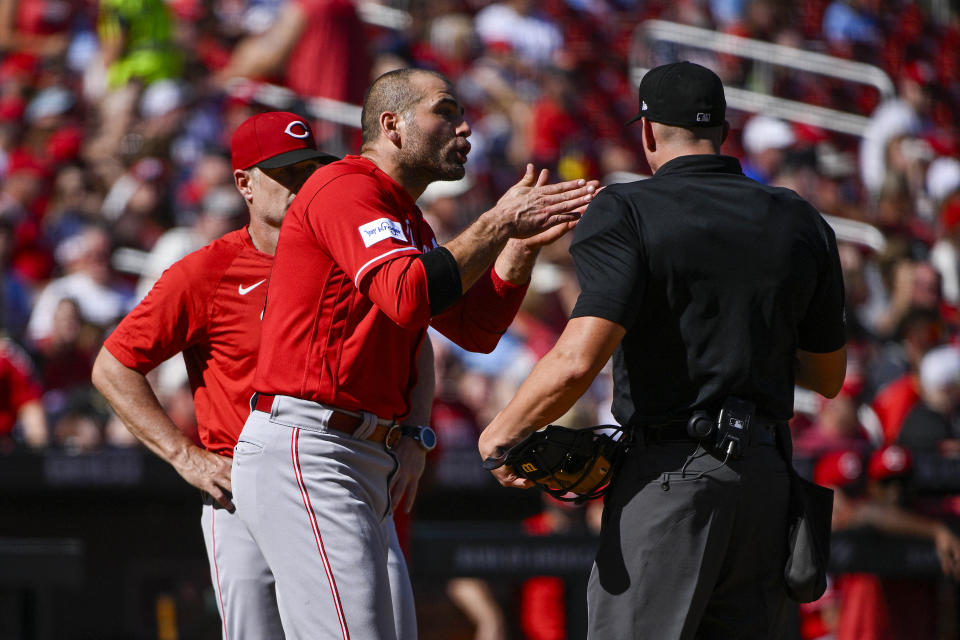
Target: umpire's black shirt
x,y
717,279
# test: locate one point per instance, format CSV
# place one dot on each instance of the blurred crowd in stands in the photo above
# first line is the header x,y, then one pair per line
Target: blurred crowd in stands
x,y
115,119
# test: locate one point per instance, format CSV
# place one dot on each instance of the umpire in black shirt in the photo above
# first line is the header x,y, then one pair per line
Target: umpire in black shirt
x,y
711,292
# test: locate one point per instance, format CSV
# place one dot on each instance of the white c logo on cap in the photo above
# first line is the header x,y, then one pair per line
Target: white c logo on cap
x,y
289,130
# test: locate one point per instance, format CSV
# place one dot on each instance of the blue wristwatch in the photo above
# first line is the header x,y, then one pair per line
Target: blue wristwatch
x,y
424,436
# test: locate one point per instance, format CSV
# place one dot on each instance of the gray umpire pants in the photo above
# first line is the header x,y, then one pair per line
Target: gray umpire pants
x,y
697,557
316,503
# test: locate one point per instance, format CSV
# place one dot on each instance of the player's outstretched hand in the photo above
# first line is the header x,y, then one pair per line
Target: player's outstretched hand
x,y
532,206
208,472
411,459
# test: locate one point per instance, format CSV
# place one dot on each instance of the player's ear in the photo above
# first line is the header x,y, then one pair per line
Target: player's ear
x,y
725,132
244,183
390,127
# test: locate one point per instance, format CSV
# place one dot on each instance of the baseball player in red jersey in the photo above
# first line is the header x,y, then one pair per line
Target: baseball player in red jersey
x,y
208,305
357,279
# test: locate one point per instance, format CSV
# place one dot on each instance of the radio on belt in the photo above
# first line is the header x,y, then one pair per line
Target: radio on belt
x,y
733,425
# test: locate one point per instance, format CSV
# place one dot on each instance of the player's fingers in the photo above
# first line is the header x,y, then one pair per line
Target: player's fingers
x,y
222,498
554,220
544,176
397,483
226,466
568,185
396,493
529,177
581,195
411,496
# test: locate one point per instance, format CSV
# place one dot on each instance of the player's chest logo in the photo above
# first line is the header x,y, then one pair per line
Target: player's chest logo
x,y
242,290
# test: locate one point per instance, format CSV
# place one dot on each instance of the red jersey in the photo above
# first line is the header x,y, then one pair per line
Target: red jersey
x,y
208,306
348,304
17,385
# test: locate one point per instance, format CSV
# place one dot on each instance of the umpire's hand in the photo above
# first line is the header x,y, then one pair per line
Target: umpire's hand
x,y
411,459
494,449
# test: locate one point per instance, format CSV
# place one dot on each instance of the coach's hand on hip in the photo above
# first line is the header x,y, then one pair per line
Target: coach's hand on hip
x,y
206,471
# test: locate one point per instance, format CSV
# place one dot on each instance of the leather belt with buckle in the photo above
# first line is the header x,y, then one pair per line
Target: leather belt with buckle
x,y
388,434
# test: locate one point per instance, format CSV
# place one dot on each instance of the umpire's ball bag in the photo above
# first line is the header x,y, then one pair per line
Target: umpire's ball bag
x,y
808,537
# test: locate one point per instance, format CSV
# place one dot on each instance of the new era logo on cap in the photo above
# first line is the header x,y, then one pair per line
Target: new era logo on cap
x,y
682,94
274,139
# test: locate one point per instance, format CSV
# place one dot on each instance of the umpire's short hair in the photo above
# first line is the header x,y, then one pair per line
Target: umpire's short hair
x,y
393,91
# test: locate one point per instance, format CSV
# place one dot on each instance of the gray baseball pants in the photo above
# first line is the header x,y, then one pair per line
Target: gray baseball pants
x,y
317,505
684,555
244,585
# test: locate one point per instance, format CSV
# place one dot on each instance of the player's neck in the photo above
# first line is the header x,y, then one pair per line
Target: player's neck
x,y
387,162
263,236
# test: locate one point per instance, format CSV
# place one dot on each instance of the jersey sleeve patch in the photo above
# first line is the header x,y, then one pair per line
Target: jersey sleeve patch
x,y
381,229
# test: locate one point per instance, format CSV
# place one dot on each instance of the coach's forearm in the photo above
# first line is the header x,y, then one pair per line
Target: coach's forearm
x,y
137,406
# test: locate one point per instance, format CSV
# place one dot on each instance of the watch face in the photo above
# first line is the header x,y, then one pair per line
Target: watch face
x,y
428,438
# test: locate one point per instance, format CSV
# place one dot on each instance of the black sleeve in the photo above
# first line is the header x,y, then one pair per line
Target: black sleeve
x,y
823,327
444,286
607,256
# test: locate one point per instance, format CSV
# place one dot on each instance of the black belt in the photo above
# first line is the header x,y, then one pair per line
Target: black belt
x,y
763,432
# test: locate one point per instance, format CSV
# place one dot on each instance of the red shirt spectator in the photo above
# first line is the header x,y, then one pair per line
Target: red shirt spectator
x,y
17,385
327,61
893,403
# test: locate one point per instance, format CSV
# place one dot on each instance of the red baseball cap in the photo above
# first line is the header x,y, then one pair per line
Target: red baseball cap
x,y
274,139
841,468
892,461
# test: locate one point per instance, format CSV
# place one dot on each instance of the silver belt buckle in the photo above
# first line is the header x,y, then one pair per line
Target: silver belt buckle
x,y
393,436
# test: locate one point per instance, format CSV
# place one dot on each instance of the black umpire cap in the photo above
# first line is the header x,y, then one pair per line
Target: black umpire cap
x,y
682,94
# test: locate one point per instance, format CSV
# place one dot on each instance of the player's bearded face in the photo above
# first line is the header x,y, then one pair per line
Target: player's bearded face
x,y
439,153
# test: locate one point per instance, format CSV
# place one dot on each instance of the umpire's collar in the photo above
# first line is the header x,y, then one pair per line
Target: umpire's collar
x,y
707,163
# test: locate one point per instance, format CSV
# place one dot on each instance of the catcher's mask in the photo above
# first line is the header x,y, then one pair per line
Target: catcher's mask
x,y
563,461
